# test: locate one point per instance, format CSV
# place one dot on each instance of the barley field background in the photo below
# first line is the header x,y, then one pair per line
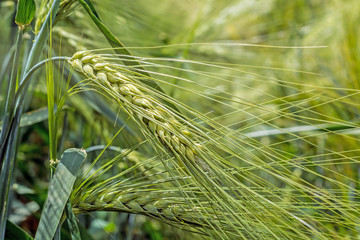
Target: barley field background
x,y
164,119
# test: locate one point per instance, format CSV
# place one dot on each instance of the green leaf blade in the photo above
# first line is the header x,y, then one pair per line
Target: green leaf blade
x,y
59,192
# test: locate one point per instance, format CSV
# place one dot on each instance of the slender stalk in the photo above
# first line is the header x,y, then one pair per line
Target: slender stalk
x,y
12,85
19,99
33,57
6,179
50,86
11,124
8,159
6,64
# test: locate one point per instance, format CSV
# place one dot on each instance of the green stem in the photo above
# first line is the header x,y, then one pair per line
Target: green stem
x,y
6,64
11,126
8,159
6,173
18,101
12,86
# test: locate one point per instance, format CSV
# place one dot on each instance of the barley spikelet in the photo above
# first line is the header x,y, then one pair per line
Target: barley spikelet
x,y
208,172
149,204
215,178
133,99
167,207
